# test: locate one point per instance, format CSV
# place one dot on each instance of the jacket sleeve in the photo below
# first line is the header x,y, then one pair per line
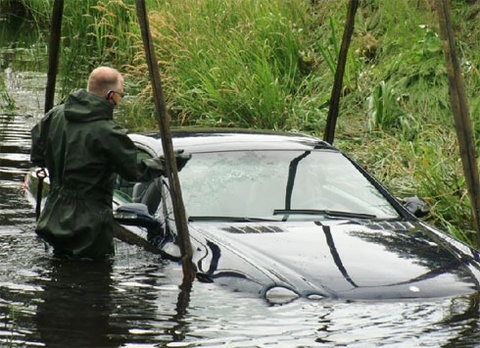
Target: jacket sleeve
x,y
123,155
150,168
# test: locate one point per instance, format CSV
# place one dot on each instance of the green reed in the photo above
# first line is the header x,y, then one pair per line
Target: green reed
x,y
270,64
230,63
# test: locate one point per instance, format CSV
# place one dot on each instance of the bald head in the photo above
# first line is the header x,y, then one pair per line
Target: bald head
x,y
104,79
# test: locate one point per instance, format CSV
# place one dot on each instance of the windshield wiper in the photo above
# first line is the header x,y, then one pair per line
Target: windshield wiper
x,y
329,213
228,218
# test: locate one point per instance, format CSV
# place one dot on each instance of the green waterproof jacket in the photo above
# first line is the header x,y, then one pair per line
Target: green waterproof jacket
x,y
83,150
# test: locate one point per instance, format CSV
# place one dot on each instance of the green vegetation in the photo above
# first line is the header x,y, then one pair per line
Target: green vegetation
x,y
270,64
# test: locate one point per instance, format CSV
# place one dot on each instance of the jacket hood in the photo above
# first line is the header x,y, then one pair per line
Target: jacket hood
x,y
82,106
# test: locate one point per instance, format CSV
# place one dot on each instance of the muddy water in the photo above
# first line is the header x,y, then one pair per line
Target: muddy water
x,y
135,300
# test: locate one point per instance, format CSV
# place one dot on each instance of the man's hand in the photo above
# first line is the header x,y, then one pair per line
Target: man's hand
x,y
181,159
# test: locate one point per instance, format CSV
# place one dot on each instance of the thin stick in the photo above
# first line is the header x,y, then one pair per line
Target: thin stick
x,y
463,124
166,137
53,48
333,110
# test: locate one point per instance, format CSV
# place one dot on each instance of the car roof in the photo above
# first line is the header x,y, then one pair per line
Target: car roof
x,y
209,140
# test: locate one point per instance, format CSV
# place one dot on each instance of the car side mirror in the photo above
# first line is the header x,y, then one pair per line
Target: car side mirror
x,y
135,214
416,206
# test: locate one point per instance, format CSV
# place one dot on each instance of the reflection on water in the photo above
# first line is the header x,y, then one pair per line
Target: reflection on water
x,y
75,305
135,301
105,304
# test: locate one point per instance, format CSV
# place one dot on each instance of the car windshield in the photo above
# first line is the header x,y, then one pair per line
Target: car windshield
x,y
279,184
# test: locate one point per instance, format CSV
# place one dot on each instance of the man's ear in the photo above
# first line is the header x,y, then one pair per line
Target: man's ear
x,y
109,94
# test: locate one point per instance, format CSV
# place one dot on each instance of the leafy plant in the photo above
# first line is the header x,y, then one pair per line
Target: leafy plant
x,y
270,64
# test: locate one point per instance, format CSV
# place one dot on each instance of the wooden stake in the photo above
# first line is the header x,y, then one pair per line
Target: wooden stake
x,y
339,72
461,115
166,137
53,48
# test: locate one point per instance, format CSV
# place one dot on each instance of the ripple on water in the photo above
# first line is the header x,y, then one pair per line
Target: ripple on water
x,y
139,304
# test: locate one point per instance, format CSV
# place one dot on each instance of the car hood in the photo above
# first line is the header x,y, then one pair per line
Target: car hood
x,y
336,259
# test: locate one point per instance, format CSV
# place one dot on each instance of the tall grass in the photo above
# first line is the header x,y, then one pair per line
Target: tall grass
x,y
270,64
230,63
96,33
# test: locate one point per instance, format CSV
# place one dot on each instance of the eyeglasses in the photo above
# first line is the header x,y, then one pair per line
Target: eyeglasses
x,y
109,94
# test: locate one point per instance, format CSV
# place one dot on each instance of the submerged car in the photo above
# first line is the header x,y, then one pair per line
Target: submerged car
x,y
288,215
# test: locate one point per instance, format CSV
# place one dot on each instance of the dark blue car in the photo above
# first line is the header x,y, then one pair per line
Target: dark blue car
x,y
288,215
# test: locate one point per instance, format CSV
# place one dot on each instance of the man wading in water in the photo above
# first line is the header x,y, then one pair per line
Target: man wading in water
x,y
83,149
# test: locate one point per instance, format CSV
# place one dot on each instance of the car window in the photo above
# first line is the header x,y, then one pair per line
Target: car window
x,y
256,183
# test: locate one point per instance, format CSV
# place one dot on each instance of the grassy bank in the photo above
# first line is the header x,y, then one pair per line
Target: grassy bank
x,y
270,64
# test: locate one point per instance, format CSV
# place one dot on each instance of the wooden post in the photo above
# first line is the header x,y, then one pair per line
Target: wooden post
x,y
53,48
460,110
166,137
339,72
